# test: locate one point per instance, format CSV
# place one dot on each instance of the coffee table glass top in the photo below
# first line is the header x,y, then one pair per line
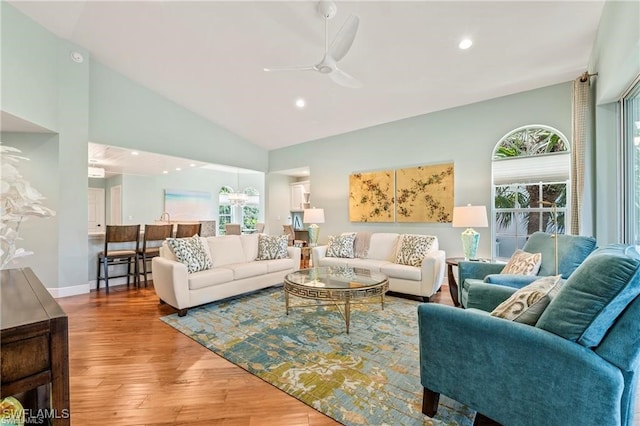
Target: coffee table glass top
x,y
336,278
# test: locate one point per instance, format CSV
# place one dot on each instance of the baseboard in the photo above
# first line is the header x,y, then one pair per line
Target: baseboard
x,y
73,290
84,288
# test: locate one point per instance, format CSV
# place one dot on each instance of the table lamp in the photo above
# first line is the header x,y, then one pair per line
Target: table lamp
x,y
467,217
313,216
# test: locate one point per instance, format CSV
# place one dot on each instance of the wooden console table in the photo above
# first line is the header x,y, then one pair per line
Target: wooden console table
x,y
35,344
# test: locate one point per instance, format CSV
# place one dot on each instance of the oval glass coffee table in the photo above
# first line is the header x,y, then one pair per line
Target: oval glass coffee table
x,y
339,286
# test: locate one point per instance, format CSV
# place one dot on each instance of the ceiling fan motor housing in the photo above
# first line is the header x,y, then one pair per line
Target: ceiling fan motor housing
x,y
327,9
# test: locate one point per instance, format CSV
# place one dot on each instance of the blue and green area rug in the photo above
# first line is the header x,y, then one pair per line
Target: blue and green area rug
x,y
370,376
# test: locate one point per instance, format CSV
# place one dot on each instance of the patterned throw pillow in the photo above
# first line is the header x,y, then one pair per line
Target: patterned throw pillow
x,y
523,263
528,303
272,247
413,248
341,245
191,252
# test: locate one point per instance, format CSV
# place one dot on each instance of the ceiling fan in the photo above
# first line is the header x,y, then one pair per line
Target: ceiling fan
x,y
335,51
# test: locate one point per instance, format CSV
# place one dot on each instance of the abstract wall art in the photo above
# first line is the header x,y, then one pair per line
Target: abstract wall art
x,y
188,205
371,197
425,193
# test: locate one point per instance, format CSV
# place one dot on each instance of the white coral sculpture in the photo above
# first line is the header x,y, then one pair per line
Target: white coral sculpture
x,y
18,200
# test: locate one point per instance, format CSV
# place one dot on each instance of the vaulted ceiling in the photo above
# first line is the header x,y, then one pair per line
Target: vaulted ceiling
x,y
208,56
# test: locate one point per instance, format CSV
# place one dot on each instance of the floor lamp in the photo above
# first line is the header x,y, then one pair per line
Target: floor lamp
x,y
468,217
554,211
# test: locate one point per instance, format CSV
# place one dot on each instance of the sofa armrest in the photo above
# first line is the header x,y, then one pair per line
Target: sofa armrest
x,y
171,282
432,271
295,253
511,280
317,253
475,358
477,270
486,297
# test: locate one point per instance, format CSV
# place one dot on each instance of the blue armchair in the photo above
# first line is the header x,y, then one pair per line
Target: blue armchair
x,y
482,286
578,365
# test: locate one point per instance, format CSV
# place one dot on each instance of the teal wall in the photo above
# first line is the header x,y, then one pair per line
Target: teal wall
x,y
465,136
616,59
126,114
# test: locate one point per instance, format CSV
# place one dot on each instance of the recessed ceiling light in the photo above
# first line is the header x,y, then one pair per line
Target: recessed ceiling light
x,y
77,57
465,44
300,103
192,165
178,169
165,172
135,153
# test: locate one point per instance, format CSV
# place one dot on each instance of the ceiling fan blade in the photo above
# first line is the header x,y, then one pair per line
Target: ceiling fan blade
x,y
344,39
343,79
303,68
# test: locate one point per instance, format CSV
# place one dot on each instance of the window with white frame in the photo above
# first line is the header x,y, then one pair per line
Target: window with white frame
x,y
531,176
225,214
251,210
631,140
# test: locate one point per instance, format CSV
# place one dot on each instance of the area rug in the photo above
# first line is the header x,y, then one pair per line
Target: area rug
x,y
370,376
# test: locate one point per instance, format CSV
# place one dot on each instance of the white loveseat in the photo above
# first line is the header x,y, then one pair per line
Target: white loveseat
x,y
380,254
235,271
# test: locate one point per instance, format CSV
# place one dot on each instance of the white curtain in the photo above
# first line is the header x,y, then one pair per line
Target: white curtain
x,y
582,124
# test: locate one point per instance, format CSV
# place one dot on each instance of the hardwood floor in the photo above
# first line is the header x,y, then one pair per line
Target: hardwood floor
x,y
129,368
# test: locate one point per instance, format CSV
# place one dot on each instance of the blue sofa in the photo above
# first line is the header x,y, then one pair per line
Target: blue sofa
x,y
578,365
481,285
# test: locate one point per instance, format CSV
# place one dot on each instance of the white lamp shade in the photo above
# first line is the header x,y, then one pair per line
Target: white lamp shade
x,y
470,216
313,216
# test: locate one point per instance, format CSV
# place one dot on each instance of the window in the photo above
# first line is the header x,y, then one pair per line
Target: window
x,y
531,169
251,210
246,214
224,209
631,140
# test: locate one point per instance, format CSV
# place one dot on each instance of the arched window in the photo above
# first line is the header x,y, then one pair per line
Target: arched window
x,y
531,177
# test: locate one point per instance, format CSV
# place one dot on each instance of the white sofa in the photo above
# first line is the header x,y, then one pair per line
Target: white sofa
x,y
380,256
235,271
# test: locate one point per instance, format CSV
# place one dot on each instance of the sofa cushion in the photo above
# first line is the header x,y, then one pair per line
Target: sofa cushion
x,y
272,247
278,265
523,263
226,250
210,277
405,272
333,261
413,248
250,246
594,295
370,264
528,303
382,246
247,270
341,245
191,252
572,251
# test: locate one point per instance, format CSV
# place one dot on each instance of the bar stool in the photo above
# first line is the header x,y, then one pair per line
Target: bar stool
x,y
116,234
185,230
152,233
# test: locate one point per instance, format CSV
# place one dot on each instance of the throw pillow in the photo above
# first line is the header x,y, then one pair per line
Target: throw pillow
x,y
413,248
528,303
341,245
594,295
523,263
272,247
191,252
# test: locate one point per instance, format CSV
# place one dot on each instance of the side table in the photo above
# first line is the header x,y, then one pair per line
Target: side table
x,y
453,284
